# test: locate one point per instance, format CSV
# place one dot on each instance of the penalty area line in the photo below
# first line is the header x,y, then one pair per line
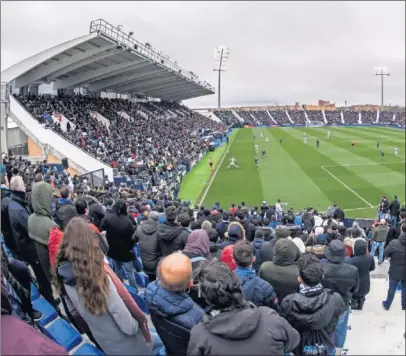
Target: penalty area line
x,y
215,172
346,186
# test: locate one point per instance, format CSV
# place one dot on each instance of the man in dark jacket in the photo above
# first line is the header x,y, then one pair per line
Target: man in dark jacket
x,y
338,214
314,310
394,209
397,270
173,312
171,236
255,289
149,248
222,226
64,203
256,246
365,264
247,225
267,248
379,235
308,219
341,278
282,273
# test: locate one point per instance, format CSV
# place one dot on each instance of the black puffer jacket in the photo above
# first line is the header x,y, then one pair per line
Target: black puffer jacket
x,y
365,264
396,252
171,237
313,313
243,331
308,221
149,248
5,222
249,229
282,272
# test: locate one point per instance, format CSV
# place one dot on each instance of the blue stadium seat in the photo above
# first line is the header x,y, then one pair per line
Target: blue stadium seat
x,y
88,349
142,279
138,298
34,292
48,311
64,334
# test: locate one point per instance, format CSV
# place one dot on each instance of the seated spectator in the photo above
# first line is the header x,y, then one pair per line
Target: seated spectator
x,y
171,236
314,310
92,294
397,269
235,233
173,312
197,247
365,264
254,289
146,237
341,278
119,232
282,272
234,326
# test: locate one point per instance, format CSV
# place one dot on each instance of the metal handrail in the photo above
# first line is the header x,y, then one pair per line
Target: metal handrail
x,y
102,26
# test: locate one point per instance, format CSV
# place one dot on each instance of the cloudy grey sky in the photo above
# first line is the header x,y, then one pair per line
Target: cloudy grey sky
x,y
280,51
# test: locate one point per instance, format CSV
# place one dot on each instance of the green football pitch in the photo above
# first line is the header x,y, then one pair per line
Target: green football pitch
x,y
300,174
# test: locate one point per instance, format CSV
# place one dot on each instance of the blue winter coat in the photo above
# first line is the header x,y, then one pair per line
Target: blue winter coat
x,y
256,290
256,248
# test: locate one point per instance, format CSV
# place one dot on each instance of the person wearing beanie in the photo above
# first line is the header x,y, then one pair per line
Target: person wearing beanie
x,y
256,246
235,233
146,236
267,249
282,273
343,279
171,236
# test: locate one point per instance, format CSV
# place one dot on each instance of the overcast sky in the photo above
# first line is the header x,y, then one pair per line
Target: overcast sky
x,y
280,51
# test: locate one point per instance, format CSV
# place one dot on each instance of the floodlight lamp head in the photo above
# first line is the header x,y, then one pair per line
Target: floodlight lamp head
x,y
130,34
120,27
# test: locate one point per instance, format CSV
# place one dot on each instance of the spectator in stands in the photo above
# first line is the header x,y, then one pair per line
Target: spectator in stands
x,y
247,225
256,246
282,272
146,236
63,204
341,278
222,226
379,235
208,226
93,295
18,215
197,247
235,326
254,289
235,233
314,310
171,236
397,269
119,232
308,219
365,264
394,209
173,312
267,249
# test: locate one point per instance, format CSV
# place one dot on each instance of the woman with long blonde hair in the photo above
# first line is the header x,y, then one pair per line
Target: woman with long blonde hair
x,y
82,277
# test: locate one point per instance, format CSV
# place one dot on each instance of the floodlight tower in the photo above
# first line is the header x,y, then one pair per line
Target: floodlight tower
x,y
221,54
382,71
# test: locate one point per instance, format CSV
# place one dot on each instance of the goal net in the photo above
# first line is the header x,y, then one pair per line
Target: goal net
x,y
315,124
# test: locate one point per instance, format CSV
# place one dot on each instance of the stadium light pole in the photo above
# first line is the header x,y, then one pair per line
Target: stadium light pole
x,y
382,72
221,54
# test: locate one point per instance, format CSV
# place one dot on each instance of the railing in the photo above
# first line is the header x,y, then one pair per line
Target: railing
x,y
145,50
19,150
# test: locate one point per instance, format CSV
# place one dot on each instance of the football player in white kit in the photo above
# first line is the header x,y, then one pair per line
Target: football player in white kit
x,y
328,134
396,151
233,162
266,139
305,138
260,135
256,148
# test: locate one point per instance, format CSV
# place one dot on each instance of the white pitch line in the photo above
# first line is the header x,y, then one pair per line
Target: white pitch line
x,y
215,173
345,185
364,164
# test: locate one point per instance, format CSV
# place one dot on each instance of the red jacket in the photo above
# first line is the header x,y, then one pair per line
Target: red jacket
x,y
227,257
55,239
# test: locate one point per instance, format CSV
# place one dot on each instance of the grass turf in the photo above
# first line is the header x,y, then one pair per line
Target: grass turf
x,y
302,175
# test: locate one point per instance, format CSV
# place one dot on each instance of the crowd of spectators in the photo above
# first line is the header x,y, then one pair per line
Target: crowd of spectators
x,y
400,119
263,117
219,281
228,118
246,116
280,117
351,117
333,117
386,117
315,116
368,117
298,117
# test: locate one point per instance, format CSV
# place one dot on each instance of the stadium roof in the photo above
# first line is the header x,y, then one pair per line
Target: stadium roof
x,y
108,59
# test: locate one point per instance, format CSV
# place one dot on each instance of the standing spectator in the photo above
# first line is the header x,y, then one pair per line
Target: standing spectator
x,y
397,269
282,273
267,249
314,310
379,235
254,289
247,225
256,246
384,208
235,233
365,264
222,226
197,247
148,243
63,204
394,209
171,236
119,231
91,291
308,219
173,312
236,327
341,278
213,234
339,214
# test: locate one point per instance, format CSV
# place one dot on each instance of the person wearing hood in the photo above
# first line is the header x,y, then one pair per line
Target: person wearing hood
x,y
235,233
92,294
379,235
397,269
40,223
234,326
282,272
197,247
222,226
365,264
247,225
256,246
267,248
64,203
314,310
146,236
171,236
119,232
341,278
173,312
96,214
255,289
